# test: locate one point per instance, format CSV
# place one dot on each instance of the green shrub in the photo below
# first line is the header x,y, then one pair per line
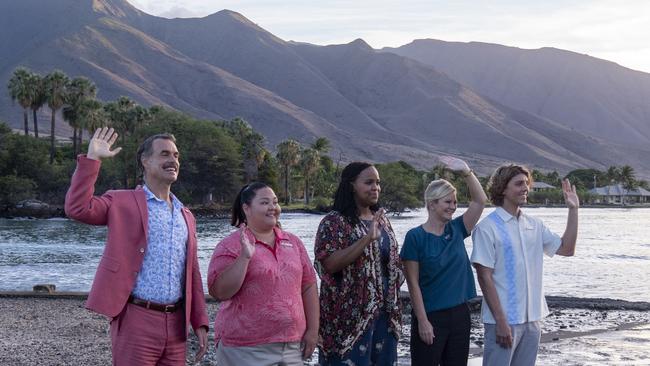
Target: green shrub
x,y
322,204
14,189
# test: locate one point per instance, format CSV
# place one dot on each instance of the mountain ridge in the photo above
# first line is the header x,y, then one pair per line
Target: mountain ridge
x,y
598,97
371,104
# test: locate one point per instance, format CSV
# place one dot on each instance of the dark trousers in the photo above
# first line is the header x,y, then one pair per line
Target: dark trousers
x,y
451,328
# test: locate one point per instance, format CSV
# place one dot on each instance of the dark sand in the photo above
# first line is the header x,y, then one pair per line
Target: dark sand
x,y
58,330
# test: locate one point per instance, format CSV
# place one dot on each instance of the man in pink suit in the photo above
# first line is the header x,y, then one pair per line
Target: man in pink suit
x,y
148,279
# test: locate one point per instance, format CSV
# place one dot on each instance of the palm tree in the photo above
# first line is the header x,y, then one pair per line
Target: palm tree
x,y
252,146
288,155
310,163
628,179
613,174
19,90
39,97
254,153
323,178
627,176
56,84
126,116
322,145
79,90
92,114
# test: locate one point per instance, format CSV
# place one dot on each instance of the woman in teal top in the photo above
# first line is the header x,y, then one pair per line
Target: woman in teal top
x,y
439,274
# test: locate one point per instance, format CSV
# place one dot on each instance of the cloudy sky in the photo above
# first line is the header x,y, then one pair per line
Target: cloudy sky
x,y
608,29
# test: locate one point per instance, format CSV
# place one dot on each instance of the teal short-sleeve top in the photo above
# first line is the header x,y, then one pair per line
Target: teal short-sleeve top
x,y
445,276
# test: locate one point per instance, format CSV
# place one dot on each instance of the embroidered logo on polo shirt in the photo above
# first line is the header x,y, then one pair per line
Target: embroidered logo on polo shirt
x,y
286,243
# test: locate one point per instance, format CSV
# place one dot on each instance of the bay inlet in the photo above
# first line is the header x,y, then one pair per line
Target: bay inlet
x,y
612,258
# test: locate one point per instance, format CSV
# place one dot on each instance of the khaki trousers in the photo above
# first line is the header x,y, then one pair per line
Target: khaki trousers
x,y
270,354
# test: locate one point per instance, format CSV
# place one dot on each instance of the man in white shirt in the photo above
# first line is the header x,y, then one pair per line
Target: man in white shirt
x,y
509,246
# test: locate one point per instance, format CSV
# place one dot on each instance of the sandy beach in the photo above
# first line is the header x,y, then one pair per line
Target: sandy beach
x,y
58,330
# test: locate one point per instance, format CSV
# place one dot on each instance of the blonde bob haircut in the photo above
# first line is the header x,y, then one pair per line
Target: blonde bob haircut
x,y
437,189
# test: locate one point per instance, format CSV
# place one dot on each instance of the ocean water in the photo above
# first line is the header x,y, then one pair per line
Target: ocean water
x,y
612,258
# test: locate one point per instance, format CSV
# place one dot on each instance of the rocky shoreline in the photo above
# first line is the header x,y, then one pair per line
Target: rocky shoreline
x,y
56,329
34,209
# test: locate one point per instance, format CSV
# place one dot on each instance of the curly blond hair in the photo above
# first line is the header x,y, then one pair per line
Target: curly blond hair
x,y
500,179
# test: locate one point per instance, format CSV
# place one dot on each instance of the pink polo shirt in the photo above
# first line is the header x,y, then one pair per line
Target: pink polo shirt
x,y
268,308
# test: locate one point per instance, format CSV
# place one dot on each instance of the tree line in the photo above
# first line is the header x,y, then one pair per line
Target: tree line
x,y
584,180
217,157
56,90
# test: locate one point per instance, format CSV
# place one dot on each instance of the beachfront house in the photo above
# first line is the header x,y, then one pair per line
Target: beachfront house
x,y
541,186
616,194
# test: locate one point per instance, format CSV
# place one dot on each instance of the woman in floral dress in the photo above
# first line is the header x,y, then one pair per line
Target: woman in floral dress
x,y
357,260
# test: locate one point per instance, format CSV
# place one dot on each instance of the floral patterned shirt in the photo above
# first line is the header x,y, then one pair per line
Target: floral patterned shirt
x,y
162,276
353,297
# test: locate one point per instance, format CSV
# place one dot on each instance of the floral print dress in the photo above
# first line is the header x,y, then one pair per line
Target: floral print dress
x,y
352,299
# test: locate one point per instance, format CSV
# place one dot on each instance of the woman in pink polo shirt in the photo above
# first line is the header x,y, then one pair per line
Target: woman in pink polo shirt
x,y
266,285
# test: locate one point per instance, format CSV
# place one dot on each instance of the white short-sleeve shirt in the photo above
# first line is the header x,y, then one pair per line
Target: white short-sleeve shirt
x,y
514,248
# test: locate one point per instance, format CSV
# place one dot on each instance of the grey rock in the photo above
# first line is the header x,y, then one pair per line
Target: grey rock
x,y
46,288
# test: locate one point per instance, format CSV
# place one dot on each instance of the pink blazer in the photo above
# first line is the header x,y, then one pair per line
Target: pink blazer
x,y
125,214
